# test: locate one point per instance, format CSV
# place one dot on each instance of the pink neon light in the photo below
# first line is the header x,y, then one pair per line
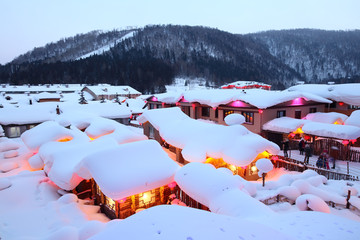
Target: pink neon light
x,y
193,105
172,185
261,111
297,101
154,99
183,100
237,103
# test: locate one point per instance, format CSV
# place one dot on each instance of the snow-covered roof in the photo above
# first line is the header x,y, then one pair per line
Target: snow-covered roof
x,y
284,124
353,119
347,93
41,88
46,95
135,105
245,84
219,190
106,89
287,125
330,117
129,169
38,113
331,130
257,97
199,140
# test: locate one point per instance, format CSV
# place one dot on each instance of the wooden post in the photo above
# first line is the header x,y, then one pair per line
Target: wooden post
x,y
347,199
263,179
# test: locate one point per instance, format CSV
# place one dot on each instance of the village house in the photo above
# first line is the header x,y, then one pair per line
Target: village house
x,y
233,147
106,91
345,97
258,106
246,85
35,89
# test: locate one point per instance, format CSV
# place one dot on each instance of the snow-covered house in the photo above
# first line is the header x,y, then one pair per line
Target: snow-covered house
x,y
106,91
130,177
258,106
345,97
47,97
192,140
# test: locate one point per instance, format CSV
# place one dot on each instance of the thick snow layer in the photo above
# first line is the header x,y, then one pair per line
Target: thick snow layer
x,y
245,84
129,169
233,119
332,130
284,124
4,183
106,89
46,95
62,158
313,202
1,131
330,117
11,154
30,210
256,97
25,114
218,190
7,144
176,222
347,93
290,192
198,140
264,165
353,119
43,133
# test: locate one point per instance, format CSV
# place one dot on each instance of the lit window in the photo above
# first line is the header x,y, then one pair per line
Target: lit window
x,y
14,132
227,112
249,117
110,203
151,132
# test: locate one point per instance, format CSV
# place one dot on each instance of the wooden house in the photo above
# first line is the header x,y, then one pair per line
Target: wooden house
x,y
233,147
106,91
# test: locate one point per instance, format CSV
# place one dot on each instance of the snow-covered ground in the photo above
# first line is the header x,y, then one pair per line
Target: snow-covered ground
x,y
33,207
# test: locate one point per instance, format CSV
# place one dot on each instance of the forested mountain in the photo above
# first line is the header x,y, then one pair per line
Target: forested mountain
x,y
315,54
151,57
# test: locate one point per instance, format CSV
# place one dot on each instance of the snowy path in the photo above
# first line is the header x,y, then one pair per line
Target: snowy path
x,y
340,166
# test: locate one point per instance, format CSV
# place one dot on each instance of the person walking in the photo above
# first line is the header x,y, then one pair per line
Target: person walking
x,y
301,146
286,147
307,150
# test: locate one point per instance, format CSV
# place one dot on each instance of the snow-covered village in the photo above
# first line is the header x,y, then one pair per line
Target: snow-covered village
x,y
180,120
99,162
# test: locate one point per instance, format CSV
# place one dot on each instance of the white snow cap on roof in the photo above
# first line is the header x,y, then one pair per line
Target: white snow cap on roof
x,y
347,93
234,118
105,89
46,95
129,169
284,124
26,114
169,97
354,119
257,97
329,117
160,222
332,130
198,140
62,158
43,133
245,83
218,190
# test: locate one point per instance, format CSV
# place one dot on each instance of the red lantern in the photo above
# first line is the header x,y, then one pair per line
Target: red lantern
x,y
345,142
172,185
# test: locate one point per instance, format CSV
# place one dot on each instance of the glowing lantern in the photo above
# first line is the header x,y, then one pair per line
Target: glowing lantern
x,y
193,105
345,142
341,103
232,168
146,197
214,108
261,111
253,168
177,103
172,185
292,134
353,141
162,104
122,200
298,131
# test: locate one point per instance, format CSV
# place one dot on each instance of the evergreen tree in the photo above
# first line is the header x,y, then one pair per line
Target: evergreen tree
x,y
82,99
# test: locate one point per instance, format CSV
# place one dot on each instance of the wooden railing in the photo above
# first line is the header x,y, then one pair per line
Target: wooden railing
x,y
343,152
294,165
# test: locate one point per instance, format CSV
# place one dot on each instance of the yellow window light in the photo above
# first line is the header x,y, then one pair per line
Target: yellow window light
x,y
298,131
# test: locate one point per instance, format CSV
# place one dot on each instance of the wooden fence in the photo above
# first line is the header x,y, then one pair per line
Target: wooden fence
x,y
342,153
294,165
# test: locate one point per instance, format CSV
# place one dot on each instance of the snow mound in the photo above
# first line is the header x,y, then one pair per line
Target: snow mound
x,y
8,145
195,224
313,202
345,189
264,165
11,154
329,117
43,133
5,183
35,162
353,119
290,192
90,229
8,166
68,198
234,118
67,232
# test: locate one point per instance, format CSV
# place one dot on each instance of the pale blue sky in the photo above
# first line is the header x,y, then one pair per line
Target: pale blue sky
x,y
25,24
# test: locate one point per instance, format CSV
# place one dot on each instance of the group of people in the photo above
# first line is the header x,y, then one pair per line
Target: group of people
x,y
305,149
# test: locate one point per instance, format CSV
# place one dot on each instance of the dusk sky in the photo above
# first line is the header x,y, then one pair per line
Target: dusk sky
x,y
27,24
